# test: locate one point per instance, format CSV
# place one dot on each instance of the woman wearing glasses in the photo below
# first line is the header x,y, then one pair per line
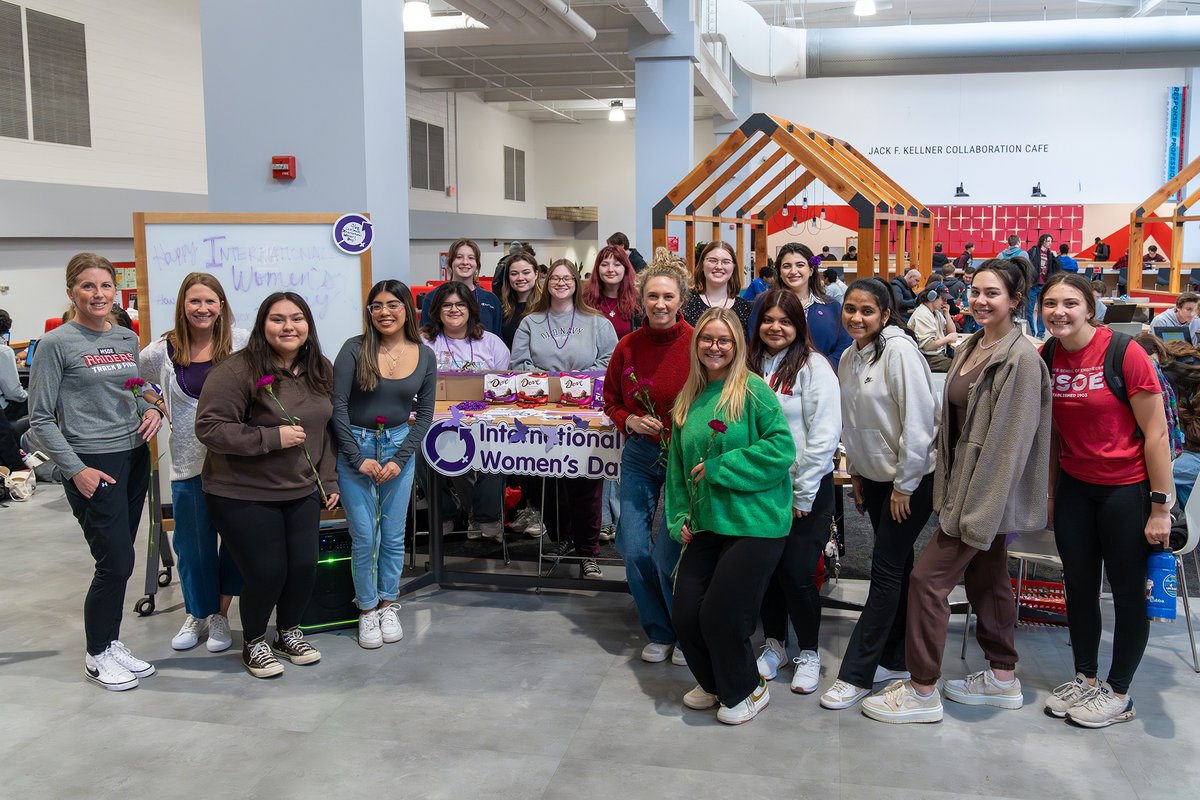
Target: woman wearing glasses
x,y
562,334
717,283
385,374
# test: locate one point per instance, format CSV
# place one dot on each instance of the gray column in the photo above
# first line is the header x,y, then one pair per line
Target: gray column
x,y
320,80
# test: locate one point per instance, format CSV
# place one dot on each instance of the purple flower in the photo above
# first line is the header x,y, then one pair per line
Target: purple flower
x,y
815,262
264,381
134,383
628,373
381,421
718,426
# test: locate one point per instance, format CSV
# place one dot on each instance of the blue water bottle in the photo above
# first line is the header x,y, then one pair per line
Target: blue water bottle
x,y
1161,582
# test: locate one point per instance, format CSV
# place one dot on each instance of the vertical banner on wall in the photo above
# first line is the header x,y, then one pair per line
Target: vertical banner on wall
x,y
1176,114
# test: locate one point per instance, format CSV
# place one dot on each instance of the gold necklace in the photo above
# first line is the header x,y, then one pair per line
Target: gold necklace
x,y
394,361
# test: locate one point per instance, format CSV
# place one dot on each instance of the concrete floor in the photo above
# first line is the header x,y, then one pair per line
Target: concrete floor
x,y
500,694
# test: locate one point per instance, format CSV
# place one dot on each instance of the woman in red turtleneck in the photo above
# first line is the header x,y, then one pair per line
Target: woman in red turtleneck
x,y
656,352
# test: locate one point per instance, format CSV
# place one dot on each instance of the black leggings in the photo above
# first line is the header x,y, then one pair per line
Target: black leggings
x,y
110,520
718,593
1094,525
275,546
792,591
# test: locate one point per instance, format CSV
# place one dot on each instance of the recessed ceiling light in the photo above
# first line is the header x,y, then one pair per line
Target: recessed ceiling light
x,y
864,8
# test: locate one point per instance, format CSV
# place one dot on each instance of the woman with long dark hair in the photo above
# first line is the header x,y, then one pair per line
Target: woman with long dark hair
x,y
800,272
782,353
519,289
266,483
179,361
1111,493
611,289
82,410
717,283
993,450
889,418
379,379
728,498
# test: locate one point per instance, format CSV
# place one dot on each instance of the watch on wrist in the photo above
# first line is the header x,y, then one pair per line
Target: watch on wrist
x,y
1159,498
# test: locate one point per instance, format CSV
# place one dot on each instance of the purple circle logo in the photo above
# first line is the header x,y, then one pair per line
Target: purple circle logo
x,y
353,233
443,451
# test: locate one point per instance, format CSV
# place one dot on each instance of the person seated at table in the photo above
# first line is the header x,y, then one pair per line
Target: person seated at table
x,y
1152,255
1099,291
561,333
904,293
764,282
1183,315
835,287
933,328
14,400
1065,261
456,335
851,254
464,266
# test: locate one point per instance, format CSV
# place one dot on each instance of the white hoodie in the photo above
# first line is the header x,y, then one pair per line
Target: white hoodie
x,y
814,414
889,412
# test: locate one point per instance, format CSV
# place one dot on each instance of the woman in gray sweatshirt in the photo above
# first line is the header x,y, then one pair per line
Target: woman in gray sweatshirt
x,y
562,334
95,426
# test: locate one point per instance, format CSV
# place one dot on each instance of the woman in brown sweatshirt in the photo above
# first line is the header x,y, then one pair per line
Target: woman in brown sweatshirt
x,y
266,482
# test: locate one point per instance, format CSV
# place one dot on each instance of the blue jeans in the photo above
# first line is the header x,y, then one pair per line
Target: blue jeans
x,y
1036,326
650,560
206,570
377,562
610,505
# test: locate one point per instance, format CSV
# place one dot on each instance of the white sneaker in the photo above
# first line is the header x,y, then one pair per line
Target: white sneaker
x,y
982,689
389,623
522,521
121,654
473,529
1067,695
772,658
535,528
808,672
842,695
189,635
747,709
885,675
104,671
656,652
699,699
899,703
491,530
220,638
1102,708
369,635
677,657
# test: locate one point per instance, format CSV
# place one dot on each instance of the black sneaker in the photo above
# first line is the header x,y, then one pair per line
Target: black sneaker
x,y
290,644
608,533
557,550
590,570
259,661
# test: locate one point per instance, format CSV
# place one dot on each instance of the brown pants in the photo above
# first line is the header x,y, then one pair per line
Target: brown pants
x,y
945,562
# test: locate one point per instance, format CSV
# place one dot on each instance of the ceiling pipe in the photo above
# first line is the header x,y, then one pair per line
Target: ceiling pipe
x,y
490,14
772,52
559,16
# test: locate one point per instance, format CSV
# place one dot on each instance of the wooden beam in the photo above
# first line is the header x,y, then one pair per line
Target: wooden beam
x,y
790,191
924,260
806,176
698,218
763,168
910,201
716,232
1176,260
741,251
903,242
1137,237
658,238
710,164
689,257
884,239
866,252
760,246
729,172
1180,181
806,153
854,166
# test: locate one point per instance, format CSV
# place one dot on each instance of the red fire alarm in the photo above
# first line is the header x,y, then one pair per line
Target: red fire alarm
x,y
283,168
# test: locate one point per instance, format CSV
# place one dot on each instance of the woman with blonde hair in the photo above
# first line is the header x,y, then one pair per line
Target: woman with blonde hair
x,y
717,283
179,362
729,500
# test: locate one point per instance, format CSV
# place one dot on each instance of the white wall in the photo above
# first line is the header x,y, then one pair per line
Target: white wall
x,y
1104,131
145,98
436,109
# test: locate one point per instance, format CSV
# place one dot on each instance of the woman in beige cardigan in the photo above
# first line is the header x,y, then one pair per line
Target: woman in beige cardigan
x,y
994,433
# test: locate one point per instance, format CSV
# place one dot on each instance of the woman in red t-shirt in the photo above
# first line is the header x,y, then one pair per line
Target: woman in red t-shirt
x,y
1109,497
611,289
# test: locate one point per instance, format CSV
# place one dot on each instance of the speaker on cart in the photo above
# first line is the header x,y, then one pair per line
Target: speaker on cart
x,y
332,603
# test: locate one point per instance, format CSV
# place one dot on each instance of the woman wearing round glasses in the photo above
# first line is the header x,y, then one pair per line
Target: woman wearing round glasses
x,y
563,334
717,283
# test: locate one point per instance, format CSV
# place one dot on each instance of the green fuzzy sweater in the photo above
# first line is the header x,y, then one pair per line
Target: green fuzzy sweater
x,y
747,488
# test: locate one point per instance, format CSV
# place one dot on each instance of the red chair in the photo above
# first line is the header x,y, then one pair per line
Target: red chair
x,y
52,323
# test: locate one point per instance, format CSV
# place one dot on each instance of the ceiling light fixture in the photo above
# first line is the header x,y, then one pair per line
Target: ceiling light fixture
x,y
616,111
864,8
959,191
795,220
1037,190
804,202
417,15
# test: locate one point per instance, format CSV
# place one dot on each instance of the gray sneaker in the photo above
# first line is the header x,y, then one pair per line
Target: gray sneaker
x,y
899,703
1067,695
982,689
1102,708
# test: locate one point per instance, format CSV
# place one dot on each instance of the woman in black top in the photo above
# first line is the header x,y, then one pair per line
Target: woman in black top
x,y
517,293
717,283
375,379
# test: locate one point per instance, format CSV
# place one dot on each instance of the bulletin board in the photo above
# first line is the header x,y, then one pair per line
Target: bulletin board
x,y
253,256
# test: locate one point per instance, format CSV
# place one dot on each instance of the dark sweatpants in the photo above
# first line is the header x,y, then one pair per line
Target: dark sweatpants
x,y
718,594
110,520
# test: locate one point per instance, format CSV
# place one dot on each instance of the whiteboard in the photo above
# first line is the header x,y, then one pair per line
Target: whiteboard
x,y
253,256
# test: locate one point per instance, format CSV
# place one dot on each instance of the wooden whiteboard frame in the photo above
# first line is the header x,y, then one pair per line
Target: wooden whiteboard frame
x,y
143,218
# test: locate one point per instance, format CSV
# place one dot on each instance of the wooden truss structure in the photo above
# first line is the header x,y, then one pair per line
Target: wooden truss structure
x,y
790,158
1140,216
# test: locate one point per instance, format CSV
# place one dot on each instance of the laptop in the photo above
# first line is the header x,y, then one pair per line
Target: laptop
x,y
1174,334
29,352
1120,312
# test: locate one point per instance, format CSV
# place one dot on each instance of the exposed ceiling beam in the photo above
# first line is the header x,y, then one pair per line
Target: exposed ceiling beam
x,y
513,92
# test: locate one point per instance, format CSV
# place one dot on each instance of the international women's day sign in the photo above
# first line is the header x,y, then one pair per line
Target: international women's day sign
x,y
454,446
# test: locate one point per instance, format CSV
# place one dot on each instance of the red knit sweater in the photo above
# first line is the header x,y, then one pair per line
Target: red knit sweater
x,y
660,356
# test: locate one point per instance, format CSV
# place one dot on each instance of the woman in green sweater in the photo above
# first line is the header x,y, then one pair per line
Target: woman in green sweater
x,y
729,499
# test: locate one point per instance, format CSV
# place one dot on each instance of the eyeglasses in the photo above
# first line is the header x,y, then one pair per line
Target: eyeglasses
x,y
560,279
719,262
708,342
392,306
454,306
